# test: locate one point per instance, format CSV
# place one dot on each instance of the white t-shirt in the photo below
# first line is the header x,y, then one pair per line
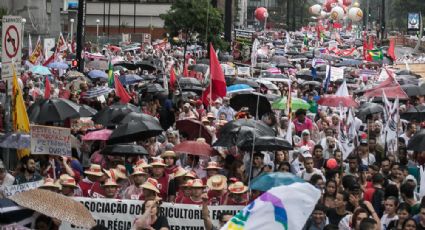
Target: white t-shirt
x,y
307,176
385,221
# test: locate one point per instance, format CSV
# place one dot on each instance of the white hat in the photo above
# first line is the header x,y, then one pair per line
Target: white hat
x,y
305,152
305,131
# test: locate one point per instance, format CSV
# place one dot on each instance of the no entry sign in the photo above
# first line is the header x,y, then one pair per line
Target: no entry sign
x,y
11,46
12,41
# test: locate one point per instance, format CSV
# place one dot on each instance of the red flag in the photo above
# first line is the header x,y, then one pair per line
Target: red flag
x,y
217,87
185,70
390,86
50,59
391,52
120,91
370,46
47,89
172,78
337,25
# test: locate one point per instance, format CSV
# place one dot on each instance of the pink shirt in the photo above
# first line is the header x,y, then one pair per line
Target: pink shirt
x,y
307,124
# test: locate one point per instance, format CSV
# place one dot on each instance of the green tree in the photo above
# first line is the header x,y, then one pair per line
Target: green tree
x,y
195,17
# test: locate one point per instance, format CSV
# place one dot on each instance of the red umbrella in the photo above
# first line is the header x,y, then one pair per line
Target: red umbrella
x,y
194,129
98,135
337,101
199,148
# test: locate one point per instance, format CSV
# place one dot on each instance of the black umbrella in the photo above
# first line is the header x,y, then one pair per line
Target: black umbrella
x,y
416,113
128,65
253,101
238,131
135,131
152,88
188,94
417,142
265,143
239,80
135,116
87,111
108,114
202,68
53,110
369,108
146,65
412,90
124,150
189,81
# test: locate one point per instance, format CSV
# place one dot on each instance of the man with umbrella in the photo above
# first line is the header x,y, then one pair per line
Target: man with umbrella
x,y
134,191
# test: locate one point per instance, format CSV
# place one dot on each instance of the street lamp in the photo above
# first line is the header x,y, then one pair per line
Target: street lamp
x,y
72,28
97,32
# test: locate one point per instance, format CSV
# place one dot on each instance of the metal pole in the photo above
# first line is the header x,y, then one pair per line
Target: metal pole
x,y
80,34
72,29
7,123
228,20
119,16
382,21
134,17
104,16
109,18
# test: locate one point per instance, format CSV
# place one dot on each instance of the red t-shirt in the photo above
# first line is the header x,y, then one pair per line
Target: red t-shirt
x,y
97,191
188,200
85,187
163,186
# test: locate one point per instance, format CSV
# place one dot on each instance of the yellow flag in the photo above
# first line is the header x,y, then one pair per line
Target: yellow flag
x,y
21,122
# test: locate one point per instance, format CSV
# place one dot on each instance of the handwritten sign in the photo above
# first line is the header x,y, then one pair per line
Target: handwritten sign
x,y
50,140
14,189
337,73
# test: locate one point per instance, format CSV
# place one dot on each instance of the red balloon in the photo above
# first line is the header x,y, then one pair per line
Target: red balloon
x,y
347,2
329,4
261,14
331,163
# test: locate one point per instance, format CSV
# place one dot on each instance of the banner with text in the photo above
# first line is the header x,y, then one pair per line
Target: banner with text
x,y
121,214
50,140
13,189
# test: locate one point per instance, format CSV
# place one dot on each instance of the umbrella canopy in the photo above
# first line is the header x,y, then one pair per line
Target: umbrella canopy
x,y
413,90
73,74
124,150
239,88
53,110
189,81
127,65
193,129
15,141
266,181
313,83
152,88
148,65
87,111
254,101
97,91
337,101
98,135
296,104
41,70
202,68
98,74
415,113
108,114
198,148
417,142
55,205
58,65
239,131
265,143
98,64
130,79
369,108
135,131
240,80
134,116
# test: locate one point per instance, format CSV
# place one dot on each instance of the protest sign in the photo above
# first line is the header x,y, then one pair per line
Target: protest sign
x,y
121,214
13,189
50,140
337,73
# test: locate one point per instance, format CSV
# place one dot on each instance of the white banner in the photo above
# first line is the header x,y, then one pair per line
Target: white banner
x,y
337,73
121,214
13,189
50,140
244,71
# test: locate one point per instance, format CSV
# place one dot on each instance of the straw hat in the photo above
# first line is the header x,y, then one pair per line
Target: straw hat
x,y
201,139
213,165
197,183
217,182
110,182
210,115
139,171
49,183
121,172
94,170
67,180
188,184
237,188
113,173
191,174
142,163
157,161
151,184
179,172
169,154
205,120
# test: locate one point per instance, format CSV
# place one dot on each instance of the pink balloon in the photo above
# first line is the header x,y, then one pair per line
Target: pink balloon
x,y
261,13
347,2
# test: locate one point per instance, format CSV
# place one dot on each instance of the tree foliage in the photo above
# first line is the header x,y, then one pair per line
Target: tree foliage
x,y
195,17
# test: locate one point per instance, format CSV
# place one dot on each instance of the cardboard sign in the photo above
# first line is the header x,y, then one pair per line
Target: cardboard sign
x,y
121,214
14,189
50,140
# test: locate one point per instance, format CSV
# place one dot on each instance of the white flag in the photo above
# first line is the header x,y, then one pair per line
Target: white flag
x,y
283,207
391,126
346,133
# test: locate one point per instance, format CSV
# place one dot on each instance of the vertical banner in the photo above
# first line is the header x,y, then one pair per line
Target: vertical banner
x,y
50,140
413,21
242,45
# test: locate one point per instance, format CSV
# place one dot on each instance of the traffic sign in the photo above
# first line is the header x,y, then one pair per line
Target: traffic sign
x,y
11,46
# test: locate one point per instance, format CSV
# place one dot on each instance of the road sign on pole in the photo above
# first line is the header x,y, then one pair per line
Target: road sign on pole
x,y
11,47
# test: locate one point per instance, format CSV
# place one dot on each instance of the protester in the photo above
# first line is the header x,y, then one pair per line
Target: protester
x,y
28,171
150,218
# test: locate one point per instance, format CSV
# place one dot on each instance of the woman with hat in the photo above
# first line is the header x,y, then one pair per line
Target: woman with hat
x,y
197,189
158,173
93,176
237,194
68,185
49,184
217,185
170,158
150,189
134,191
111,189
